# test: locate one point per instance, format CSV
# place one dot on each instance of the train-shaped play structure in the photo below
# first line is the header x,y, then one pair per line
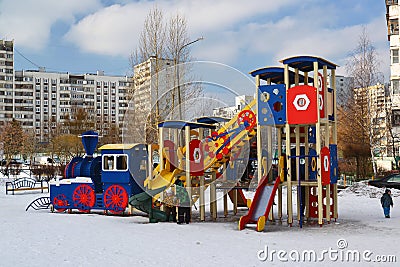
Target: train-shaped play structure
x,y
100,183
287,135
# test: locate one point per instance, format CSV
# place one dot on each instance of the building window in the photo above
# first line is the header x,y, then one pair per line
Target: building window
x,y
396,87
396,117
395,56
394,26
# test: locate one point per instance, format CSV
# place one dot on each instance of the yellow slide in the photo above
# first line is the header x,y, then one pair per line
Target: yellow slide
x,y
164,178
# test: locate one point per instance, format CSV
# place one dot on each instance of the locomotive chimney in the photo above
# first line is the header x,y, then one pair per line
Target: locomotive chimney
x,y
89,141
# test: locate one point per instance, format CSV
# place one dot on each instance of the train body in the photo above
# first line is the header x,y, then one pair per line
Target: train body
x,y
105,182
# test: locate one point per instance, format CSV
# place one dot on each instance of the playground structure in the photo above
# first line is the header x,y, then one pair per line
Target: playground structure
x,y
293,113
208,155
303,111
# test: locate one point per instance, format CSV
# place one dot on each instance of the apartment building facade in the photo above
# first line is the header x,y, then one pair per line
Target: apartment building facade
x,y
42,101
6,79
392,19
378,103
152,79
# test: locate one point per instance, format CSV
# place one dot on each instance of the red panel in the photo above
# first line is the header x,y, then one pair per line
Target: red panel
x,y
302,105
325,166
313,202
196,158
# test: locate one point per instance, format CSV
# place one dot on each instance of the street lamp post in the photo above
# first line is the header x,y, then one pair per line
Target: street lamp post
x,y
177,73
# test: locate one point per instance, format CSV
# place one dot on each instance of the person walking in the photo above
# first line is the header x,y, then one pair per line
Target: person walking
x,y
183,203
387,202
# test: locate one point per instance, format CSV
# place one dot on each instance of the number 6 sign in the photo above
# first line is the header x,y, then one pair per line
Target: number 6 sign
x,y
325,166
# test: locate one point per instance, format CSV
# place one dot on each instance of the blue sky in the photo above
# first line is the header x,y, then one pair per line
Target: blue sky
x,y
85,36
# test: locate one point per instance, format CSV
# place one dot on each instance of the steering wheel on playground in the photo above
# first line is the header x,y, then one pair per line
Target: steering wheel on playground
x,y
248,118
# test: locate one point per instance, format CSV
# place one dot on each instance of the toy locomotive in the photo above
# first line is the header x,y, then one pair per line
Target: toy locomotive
x,y
105,182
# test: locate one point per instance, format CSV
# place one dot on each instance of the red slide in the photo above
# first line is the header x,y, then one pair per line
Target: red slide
x,y
261,204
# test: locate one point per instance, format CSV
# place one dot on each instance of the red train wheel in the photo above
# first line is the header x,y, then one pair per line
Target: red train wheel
x,y
60,201
83,197
248,118
116,199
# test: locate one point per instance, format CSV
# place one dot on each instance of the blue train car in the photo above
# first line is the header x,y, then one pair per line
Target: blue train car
x,y
103,183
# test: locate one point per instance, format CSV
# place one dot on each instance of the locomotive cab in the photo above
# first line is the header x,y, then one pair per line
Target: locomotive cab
x,y
124,164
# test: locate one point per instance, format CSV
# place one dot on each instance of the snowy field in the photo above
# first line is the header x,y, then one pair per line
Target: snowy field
x,y
42,238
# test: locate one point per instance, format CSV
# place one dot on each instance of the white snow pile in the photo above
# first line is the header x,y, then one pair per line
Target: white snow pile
x,y
363,189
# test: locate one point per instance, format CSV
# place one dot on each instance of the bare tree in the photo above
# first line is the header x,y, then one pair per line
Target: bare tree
x,y
111,136
67,146
12,137
357,112
165,44
152,37
79,122
30,145
151,45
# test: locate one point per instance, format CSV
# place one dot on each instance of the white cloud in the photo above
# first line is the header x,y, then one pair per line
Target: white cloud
x,y
29,22
300,34
112,31
257,31
115,29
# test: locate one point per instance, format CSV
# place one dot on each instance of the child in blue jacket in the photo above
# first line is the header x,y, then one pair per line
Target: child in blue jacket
x,y
386,201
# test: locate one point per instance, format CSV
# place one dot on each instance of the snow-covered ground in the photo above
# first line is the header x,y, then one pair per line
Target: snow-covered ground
x,y
42,238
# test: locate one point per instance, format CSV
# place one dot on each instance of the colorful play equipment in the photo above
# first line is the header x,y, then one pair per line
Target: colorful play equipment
x,y
285,137
302,109
105,182
208,154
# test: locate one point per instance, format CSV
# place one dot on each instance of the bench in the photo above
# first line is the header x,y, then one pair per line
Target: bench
x,y
26,184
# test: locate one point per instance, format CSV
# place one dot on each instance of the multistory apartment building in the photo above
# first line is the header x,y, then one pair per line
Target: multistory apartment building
x,y
42,101
152,79
392,19
343,83
6,80
378,103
